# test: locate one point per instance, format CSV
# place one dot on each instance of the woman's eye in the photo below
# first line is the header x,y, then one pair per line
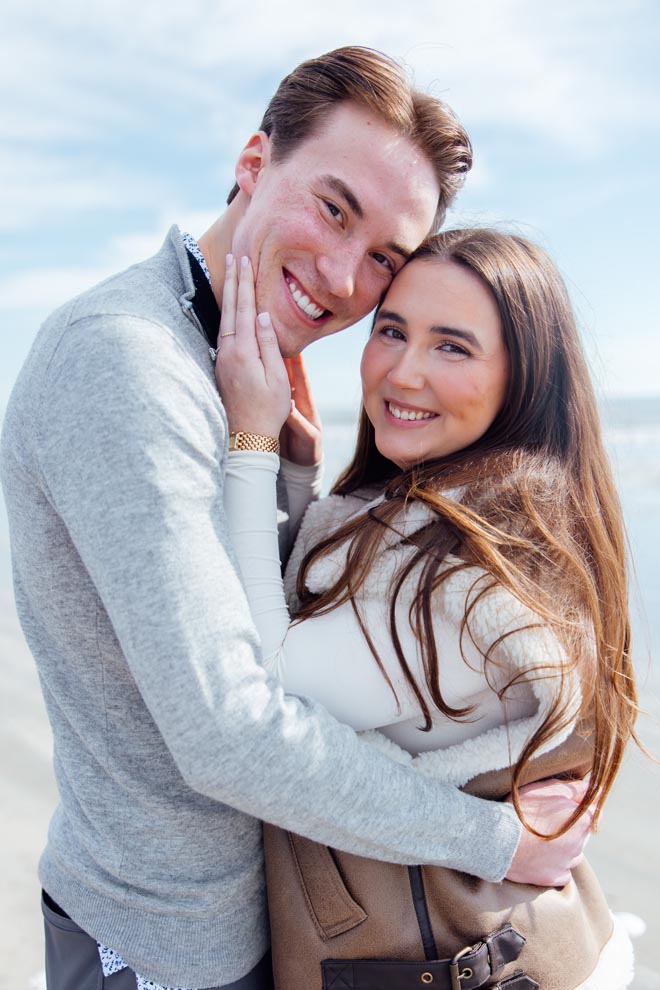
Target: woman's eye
x,y
392,333
449,347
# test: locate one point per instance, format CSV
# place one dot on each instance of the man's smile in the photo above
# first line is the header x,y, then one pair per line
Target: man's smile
x,y
305,303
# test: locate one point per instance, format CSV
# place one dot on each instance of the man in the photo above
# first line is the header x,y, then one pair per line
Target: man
x,y
170,742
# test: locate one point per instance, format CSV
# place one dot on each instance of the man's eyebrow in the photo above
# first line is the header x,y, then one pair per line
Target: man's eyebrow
x,y
466,335
342,189
404,252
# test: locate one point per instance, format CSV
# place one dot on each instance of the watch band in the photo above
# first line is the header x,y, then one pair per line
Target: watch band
x,y
253,441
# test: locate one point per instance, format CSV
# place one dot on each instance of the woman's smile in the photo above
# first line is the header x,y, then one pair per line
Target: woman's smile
x,y
405,415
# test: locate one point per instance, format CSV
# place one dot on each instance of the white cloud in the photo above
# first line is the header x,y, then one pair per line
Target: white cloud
x,y
83,83
556,70
88,94
38,290
41,290
39,187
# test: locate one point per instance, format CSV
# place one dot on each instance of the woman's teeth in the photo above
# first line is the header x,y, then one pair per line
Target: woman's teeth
x,y
303,302
409,413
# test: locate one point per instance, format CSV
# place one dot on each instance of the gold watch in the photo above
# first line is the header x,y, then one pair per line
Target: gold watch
x,y
253,441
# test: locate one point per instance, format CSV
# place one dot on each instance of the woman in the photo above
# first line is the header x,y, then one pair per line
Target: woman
x,y
463,591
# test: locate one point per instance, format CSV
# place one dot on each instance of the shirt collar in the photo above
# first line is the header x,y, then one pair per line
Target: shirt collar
x,y
204,302
191,245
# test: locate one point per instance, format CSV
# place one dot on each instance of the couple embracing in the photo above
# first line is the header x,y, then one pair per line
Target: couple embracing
x,y
430,707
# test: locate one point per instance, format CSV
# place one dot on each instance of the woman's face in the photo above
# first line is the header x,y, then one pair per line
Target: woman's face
x,y
435,369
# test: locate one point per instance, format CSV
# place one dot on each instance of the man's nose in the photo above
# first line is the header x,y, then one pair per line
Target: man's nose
x,y
339,272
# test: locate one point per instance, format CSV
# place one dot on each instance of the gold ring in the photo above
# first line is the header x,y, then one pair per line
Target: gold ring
x,y
230,333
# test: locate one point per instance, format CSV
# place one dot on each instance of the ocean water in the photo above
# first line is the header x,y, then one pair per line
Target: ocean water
x,y
632,435
632,431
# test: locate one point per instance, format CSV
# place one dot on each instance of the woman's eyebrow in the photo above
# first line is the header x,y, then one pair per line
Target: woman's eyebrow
x,y
466,335
389,314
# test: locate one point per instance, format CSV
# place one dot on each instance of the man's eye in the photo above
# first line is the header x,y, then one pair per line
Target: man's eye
x,y
383,260
333,210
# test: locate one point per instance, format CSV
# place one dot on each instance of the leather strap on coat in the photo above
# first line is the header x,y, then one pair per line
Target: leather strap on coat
x,y
473,967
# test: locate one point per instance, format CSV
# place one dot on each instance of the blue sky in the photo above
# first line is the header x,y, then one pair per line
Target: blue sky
x,y
119,119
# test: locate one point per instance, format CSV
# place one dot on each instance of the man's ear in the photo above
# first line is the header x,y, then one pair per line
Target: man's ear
x,y
252,159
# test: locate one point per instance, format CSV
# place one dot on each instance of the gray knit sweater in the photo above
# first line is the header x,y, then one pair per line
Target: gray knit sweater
x,y
170,740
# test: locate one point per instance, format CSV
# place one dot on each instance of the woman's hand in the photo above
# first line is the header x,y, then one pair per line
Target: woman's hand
x,y
300,439
249,370
546,805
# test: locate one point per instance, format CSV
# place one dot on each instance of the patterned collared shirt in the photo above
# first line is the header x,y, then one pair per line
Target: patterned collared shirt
x,y
191,244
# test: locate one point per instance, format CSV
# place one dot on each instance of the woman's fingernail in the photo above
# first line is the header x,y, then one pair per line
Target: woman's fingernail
x,y
264,319
245,261
229,260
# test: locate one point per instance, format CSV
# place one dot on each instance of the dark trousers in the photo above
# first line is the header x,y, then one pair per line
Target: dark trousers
x,y
72,960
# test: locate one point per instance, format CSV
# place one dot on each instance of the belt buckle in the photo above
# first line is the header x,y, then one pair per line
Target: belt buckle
x,y
456,975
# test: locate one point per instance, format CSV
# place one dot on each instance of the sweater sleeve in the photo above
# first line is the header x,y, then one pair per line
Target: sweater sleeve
x,y
132,449
303,486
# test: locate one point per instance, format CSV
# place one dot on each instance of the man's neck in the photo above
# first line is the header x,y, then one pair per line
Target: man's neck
x,y
216,243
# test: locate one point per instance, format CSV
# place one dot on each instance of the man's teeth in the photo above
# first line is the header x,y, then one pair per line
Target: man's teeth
x,y
304,302
409,413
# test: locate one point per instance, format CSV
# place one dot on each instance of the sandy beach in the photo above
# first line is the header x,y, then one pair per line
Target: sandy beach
x,y
624,852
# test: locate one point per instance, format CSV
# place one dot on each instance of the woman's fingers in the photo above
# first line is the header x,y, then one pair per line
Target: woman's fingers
x,y
227,332
238,303
250,370
301,426
301,389
546,805
271,358
229,291
246,306
303,440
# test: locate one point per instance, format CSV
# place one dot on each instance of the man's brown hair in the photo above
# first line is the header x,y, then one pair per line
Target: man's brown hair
x,y
308,95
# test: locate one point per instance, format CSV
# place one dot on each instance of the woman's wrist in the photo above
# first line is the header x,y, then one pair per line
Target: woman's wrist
x,y
301,474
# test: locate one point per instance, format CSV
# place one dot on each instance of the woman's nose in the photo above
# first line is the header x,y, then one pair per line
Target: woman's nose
x,y
408,371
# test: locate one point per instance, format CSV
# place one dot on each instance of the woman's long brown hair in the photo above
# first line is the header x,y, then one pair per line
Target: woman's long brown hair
x,y
538,512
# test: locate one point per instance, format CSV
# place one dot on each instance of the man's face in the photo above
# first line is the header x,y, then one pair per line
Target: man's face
x,y
328,228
